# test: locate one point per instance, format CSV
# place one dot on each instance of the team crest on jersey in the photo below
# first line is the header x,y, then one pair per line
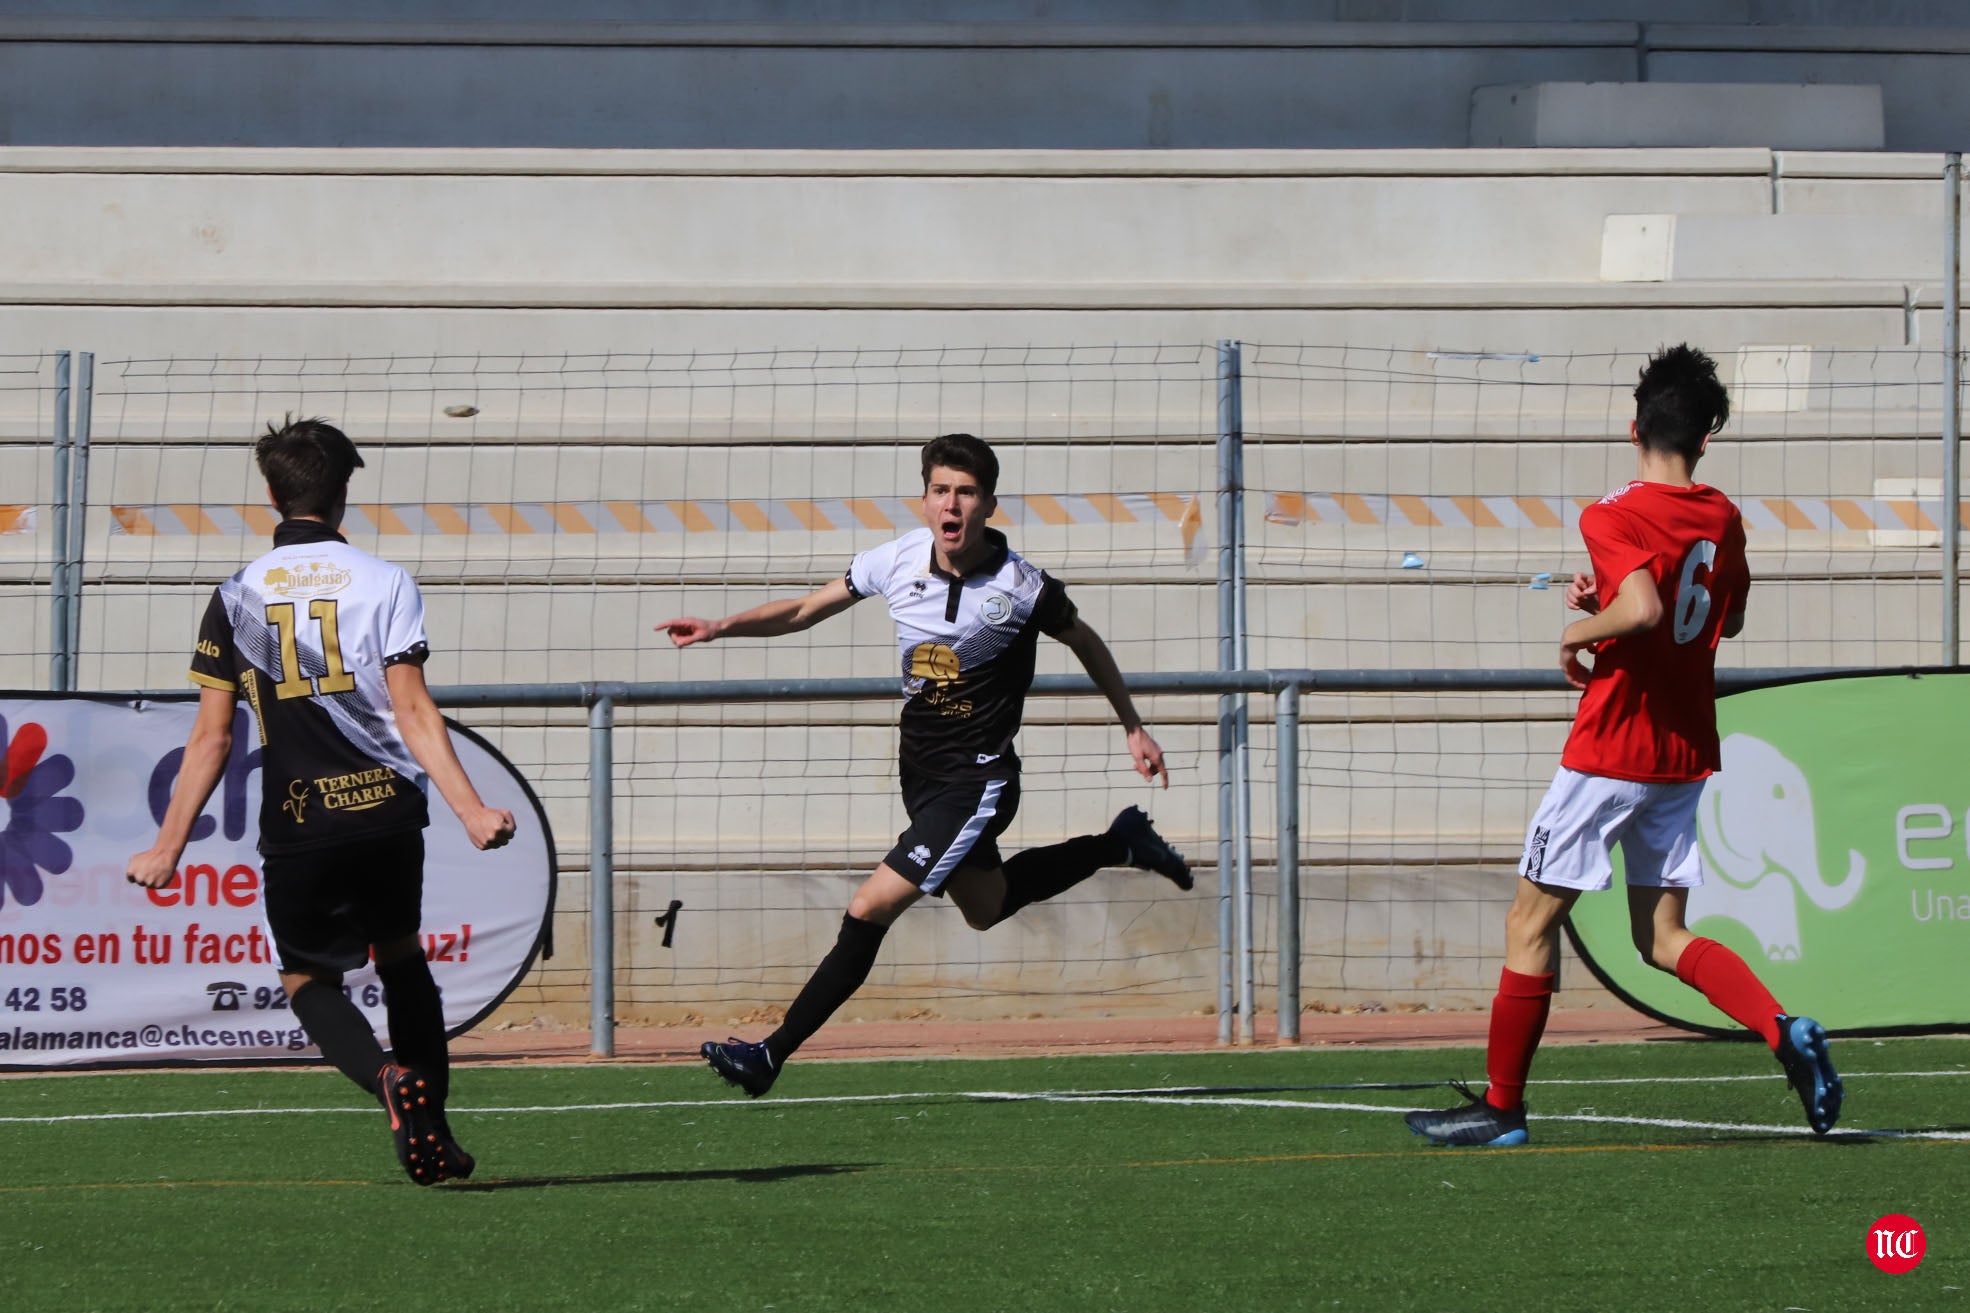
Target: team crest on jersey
x,y
996,609
316,579
934,662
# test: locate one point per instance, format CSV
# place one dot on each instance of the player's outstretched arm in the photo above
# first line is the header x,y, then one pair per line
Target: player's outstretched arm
x,y
423,728
1636,609
788,616
206,750
1099,662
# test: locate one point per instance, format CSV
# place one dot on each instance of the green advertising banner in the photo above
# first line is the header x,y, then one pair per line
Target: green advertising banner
x,y
1836,858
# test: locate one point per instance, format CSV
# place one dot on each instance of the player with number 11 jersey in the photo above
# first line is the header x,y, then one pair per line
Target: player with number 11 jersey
x,y
306,633
326,642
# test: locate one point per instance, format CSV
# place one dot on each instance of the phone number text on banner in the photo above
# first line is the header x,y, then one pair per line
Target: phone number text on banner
x,y
95,970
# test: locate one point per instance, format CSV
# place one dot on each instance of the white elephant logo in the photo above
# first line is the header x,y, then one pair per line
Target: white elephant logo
x,y
1756,824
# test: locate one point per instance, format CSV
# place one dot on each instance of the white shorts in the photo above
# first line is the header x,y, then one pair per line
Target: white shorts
x,y
1571,840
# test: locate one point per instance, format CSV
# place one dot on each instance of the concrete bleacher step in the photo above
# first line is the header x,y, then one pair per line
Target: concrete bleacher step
x,y
981,229
1657,248
1679,114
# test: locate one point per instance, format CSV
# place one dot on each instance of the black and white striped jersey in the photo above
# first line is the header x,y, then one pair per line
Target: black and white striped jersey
x,y
967,648
304,634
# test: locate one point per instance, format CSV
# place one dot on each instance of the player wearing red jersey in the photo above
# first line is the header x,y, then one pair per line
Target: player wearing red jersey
x,y
1669,581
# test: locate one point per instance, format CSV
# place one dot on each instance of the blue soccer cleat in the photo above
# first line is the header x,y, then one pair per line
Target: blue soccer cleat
x,y
748,1066
1809,1067
1472,1124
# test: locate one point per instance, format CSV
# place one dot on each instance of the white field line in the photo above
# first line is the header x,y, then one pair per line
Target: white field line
x,y
1724,1080
1666,1123
1168,1096
494,1112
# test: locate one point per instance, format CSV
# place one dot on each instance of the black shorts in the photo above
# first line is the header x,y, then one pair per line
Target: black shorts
x,y
953,823
326,906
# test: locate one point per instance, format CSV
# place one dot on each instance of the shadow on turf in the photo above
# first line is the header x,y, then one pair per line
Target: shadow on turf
x,y
1850,1137
748,1175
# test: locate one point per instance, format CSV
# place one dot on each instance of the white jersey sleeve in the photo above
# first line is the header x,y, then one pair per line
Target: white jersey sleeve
x,y
870,573
404,638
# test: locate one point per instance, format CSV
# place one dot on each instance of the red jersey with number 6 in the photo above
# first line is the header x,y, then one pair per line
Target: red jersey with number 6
x,y
1650,711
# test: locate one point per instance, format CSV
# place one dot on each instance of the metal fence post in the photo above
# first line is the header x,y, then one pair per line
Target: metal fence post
x,y
1247,956
1286,736
78,508
58,568
601,873
1952,384
1227,511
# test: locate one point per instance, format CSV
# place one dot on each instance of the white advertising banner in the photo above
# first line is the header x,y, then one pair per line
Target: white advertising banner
x,y
96,970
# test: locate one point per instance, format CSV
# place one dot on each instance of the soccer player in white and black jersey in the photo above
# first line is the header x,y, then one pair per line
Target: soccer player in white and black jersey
x,y
327,645
969,612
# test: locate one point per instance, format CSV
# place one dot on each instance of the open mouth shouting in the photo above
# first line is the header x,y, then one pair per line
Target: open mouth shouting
x,y
956,508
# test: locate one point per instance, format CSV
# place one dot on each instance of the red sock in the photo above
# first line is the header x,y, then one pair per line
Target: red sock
x,y
1518,1019
1722,977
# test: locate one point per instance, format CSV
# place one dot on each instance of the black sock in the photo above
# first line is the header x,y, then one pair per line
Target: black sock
x,y
341,1032
417,1020
840,974
1039,873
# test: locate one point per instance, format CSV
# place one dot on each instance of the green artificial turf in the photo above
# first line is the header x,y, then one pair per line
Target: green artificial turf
x,y
1234,1192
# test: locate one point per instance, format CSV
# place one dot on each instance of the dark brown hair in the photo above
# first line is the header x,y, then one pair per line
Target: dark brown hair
x,y
1679,401
961,451
307,464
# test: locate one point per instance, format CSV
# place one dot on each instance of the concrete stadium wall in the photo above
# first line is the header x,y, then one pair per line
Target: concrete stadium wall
x,y
290,263
1096,75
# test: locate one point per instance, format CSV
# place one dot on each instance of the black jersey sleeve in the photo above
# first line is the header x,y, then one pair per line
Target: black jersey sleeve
x,y
213,661
1055,611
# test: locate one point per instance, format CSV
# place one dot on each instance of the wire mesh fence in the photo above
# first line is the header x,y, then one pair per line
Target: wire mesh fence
x,y
555,509
31,396
746,838
592,496
1419,510
1404,509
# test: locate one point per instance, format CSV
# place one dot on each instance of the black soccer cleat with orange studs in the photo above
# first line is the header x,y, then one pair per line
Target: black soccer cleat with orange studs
x,y
425,1148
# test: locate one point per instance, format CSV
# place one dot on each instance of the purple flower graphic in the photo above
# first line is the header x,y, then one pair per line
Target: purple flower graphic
x,y
33,814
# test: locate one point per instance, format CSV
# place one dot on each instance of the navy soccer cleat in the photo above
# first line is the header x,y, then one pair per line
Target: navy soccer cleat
x,y
748,1066
1809,1067
1148,850
1473,1123
416,1120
